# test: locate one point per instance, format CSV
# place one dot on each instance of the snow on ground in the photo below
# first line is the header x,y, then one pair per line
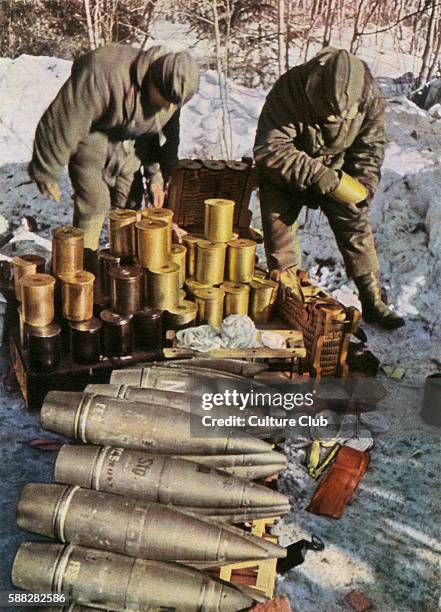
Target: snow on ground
x,y
386,544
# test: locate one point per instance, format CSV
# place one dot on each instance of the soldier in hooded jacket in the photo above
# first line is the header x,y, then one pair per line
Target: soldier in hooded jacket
x,y
323,119
119,109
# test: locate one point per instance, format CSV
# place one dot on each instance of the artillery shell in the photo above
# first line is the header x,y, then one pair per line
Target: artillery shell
x,y
163,287
126,289
262,297
37,292
241,256
67,250
218,220
251,466
154,245
121,583
122,235
107,261
77,296
182,316
210,304
162,479
159,429
26,264
237,297
190,242
210,262
160,214
178,254
131,527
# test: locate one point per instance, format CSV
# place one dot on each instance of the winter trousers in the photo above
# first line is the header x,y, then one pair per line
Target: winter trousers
x,y
280,208
103,174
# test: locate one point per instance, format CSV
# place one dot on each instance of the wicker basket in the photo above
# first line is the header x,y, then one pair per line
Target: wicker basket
x,y
326,325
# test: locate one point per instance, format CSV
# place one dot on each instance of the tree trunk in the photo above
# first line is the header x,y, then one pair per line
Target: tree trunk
x,y
428,49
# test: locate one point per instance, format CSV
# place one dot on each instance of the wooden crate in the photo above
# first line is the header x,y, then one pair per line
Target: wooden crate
x,y
258,574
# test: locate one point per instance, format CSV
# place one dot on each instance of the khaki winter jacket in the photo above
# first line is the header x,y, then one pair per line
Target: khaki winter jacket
x,y
104,94
294,147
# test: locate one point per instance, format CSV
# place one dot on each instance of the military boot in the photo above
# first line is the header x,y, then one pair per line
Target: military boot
x,y
374,310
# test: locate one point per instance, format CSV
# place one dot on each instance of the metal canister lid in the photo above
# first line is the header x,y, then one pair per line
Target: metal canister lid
x,y
232,287
212,246
28,258
121,214
218,202
212,293
91,326
262,283
151,224
167,269
149,313
178,248
195,238
184,307
77,278
241,243
37,280
67,231
127,273
44,331
115,319
192,285
158,214
107,255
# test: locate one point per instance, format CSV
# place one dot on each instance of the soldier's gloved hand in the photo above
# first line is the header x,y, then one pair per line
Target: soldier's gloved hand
x,y
157,195
328,181
50,190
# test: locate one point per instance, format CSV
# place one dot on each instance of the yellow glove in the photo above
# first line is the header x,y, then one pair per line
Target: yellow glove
x,y
50,190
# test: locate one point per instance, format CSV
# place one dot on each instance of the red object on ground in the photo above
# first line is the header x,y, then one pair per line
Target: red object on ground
x,y
358,601
340,483
46,444
279,604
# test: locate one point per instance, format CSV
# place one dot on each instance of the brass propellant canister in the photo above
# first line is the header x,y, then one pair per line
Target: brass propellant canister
x,y
190,241
44,346
263,294
118,582
349,190
147,329
218,220
26,264
259,273
178,256
237,297
241,256
122,235
153,243
165,481
210,303
37,291
22,327
107,261
191,285
126,289
67,250
143,529
86,340
77,295
156,428
163,287
184,315
160,214
210,262
117,337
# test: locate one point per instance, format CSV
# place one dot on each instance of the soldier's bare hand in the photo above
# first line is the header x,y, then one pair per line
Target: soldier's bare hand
x,y
50,190
178,233
157,194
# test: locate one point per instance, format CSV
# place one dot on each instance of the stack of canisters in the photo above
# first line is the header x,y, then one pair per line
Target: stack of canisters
x,y
137,517
52,304
220,271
